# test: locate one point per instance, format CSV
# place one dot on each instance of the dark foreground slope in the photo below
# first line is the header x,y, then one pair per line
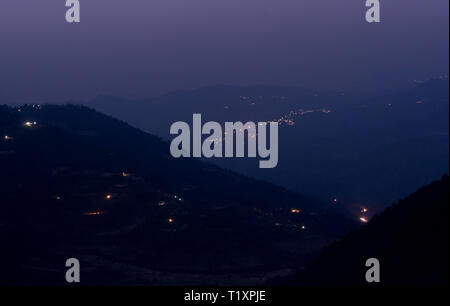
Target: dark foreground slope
x,y
410,240
76,183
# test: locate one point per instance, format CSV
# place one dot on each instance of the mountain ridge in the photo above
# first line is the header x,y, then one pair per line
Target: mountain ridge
x,y
410,240
79,183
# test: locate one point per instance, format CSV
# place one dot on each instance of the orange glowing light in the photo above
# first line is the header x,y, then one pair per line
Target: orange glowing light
x,y
295,211
364,220
95,213
108,197
170,220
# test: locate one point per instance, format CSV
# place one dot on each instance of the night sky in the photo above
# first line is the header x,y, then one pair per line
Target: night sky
x,y
142,48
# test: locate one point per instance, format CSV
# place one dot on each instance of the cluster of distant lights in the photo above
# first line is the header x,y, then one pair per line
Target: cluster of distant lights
x,y
26,124
417,102
242,130
162,203
293,211
363,211
30,123
302,227
285,119
288,118
260,97
110,197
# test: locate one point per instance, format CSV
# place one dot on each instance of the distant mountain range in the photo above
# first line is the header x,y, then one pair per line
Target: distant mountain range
x,y
77,183
367,150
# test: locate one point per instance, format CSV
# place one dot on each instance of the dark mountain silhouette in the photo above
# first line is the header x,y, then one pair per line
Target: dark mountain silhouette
x,y
77,183
219,103
410,240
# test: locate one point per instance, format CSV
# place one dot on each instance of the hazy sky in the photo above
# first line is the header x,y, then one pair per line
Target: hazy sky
x,y
140,48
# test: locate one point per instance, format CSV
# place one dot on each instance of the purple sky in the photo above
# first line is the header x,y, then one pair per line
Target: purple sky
x,y
141,48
